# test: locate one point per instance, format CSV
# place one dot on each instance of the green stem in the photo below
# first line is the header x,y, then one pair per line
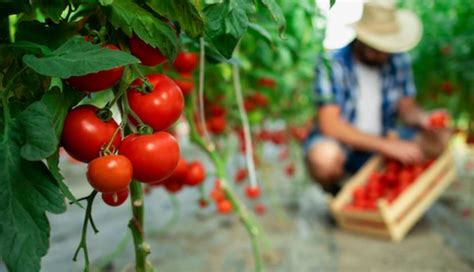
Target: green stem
x,y
83,242
248,221
142,249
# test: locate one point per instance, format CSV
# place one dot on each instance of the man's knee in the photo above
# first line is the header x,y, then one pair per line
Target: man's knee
x,y
325,161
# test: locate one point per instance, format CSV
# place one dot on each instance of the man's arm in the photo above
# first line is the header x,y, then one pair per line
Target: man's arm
x,y
410,113
333,125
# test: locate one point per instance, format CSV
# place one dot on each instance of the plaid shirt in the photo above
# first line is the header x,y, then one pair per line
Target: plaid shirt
x,y
339,86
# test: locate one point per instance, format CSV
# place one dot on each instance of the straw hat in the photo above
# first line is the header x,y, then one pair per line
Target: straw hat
x,y
387,29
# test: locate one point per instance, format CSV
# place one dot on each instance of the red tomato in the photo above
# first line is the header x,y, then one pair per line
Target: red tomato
x,y
216,124
159,108
290,170
438,120
405,177
111,173
148,55
172,185
252,192
154,157
203,203
447,87
186,62
115,199
249,105
359,193
241,175
267,82
181,170
84,134
260,208
215,110
185,83
224,206
98,81
260,99
195,175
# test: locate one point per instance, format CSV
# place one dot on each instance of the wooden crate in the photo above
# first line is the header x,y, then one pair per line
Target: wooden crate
x,y
393,221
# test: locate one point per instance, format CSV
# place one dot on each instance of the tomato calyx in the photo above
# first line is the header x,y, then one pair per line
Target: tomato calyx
x,y
145,86
144,129
104,114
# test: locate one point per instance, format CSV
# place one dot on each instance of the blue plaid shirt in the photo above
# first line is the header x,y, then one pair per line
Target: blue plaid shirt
x,y
339,86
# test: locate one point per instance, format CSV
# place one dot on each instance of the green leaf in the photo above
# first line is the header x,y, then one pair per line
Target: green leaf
x,y
76,57
40,33
225,27
132,18
106,2
53,165
58,104
30,47
262,31
185,12
53,8
27,192
38,131
276,13
331,3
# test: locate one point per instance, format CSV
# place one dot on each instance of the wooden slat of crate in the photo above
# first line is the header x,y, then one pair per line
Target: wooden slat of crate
x,y
360,228
401,226
404,200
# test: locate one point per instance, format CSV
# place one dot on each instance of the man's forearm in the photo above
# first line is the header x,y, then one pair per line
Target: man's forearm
x,y
410,113
345,133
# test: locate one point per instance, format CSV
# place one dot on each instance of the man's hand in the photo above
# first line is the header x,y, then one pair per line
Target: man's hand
x,y
404,151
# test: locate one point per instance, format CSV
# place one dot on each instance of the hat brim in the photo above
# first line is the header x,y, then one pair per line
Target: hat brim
x,y
407,37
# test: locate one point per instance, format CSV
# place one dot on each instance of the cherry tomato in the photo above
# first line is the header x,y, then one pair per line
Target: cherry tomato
x,y
240,175
252,192
115,199
173,185
84,134
224,206
260,208
260,99
185,83
267,82
215,110
438,120
186,62
111,173
249,105
147,54
154,157
447,87
195,175
98,81
216,124
159,108
203,203
290,170
181,170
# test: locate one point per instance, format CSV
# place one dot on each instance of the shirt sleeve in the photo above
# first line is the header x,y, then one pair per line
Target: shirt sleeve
x,y
405,75
328,86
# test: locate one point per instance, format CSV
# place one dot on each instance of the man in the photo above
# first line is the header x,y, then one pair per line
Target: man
x,y
367,89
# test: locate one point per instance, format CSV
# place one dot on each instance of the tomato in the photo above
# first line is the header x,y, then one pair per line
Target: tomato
x,y
154,157
181,170
267,82
447,87
185,83
195,175
215,110
260,208
186,62
148,55
84,134
249,105
203,203
359,193
115,199
159,108
173,185
252,192
241,175
224,206
216,124
438,120
290,170
98,81
260,99
111,173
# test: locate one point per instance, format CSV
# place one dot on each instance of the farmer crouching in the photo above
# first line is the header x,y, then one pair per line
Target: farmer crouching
x,y
366,92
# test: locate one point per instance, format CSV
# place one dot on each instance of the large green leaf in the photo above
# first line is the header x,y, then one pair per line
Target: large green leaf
x,y
276,13
38,131
77,57
27,192
53,8
132,18
185,12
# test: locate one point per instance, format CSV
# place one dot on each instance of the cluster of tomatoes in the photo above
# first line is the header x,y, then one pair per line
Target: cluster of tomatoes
x,y
186,174
255,101
251,192
151,155
216,122
388,184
